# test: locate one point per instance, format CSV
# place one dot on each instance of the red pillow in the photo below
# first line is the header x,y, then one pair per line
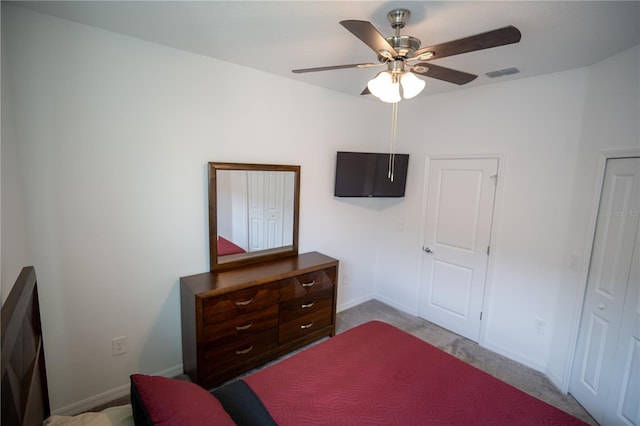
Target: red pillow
x,y
162,401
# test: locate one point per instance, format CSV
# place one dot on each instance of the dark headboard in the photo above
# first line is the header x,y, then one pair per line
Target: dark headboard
x,y
25,395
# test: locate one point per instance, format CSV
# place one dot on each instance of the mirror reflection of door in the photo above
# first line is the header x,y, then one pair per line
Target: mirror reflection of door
x,y
255,208
266,206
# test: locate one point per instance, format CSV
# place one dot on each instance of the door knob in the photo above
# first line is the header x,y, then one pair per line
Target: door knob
x,y
427,250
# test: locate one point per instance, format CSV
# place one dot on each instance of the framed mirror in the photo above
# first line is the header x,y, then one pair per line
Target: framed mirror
x,y
253,213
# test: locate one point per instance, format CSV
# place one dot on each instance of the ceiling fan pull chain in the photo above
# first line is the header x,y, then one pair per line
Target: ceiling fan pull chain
x,y
394,125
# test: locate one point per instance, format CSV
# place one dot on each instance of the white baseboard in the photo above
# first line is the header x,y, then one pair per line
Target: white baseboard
x,y
120,391
557,381
406,309
352,303
522,359
110,395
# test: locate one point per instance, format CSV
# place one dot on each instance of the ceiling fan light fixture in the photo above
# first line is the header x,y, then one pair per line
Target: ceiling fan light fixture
x,y
411,85
385,87
392,94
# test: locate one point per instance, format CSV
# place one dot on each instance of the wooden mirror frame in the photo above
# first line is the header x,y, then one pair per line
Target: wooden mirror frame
x,y
235,260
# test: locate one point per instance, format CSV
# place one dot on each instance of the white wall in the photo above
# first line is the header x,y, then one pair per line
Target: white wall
x,y
535,125
15,253
551,131
611,124
111,136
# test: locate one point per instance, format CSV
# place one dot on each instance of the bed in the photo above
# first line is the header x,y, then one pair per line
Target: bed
x,y
226,247
25,395
372,374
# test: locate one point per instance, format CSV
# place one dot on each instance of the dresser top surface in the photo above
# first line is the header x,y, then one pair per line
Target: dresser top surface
x,y
213,283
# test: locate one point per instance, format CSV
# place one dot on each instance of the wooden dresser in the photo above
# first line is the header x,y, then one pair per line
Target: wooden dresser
x,y
236,320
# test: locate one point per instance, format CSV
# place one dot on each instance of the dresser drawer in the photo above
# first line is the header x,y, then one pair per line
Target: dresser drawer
x,y
221,357
236,319
308,283
242,325
228,305
306,305
305,325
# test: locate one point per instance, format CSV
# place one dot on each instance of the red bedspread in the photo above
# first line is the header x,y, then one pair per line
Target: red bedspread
x,y
376,374
226,247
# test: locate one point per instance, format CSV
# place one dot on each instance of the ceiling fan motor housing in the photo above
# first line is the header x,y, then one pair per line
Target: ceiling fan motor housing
x,y
404,45
398,18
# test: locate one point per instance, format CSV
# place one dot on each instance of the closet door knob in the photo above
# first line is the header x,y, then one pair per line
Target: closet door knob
x,y
427,250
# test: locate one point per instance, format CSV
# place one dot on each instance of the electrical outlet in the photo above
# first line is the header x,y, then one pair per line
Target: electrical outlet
x,y
540,326
119,345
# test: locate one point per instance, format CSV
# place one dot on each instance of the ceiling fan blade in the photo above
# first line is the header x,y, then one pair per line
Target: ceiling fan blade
x,y
441,73
489,39
335,67
366,32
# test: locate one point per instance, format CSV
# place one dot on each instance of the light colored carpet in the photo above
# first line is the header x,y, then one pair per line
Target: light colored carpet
x,y
518,375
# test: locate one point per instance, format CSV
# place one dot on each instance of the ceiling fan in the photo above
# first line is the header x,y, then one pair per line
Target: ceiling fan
x,y
400,53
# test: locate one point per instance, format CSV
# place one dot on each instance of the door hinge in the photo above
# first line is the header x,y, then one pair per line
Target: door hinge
x,y
480,315
488,250
495,179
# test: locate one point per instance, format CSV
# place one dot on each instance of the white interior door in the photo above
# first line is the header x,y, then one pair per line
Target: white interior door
x,y
623,406
605,376
460,197
266,209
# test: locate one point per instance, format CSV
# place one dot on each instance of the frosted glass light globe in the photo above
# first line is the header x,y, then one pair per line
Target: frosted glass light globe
x,y
411,85
383,87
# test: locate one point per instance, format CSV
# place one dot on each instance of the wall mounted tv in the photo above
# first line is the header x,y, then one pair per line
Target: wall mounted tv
x,y
365,174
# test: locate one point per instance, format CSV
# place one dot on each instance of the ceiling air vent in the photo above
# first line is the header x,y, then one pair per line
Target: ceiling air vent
x,y
500,73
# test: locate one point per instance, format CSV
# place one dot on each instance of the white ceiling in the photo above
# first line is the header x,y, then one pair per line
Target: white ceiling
x,y
278,36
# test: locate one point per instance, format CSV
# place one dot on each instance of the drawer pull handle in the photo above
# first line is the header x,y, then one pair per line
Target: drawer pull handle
x,y
244,351
305,326
309,284
244,302
244,327
307,305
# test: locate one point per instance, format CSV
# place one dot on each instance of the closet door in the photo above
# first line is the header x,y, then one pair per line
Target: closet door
x,y
266,209
623,406
602,341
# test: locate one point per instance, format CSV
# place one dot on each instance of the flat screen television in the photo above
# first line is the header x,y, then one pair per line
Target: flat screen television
x,y
366,174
